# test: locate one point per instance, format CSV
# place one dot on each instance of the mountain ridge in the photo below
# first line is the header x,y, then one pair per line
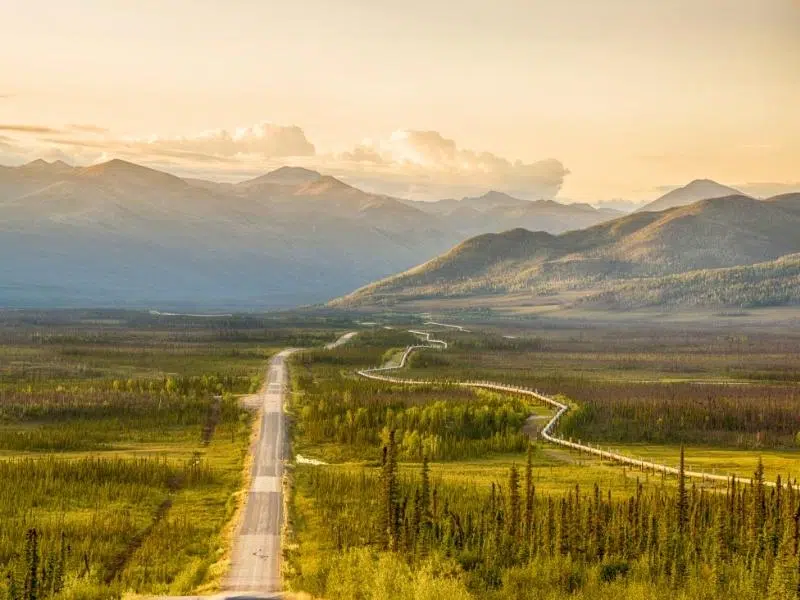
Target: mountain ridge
x,y
717,233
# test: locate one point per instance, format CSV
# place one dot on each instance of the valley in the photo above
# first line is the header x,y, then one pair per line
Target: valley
x,y
503,495
400,300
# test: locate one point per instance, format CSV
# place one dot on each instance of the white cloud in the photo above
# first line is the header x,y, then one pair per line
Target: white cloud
x,y
264,140
408,163
426,160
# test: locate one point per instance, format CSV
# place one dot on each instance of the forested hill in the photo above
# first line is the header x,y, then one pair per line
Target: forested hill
x,y
689,255
772,283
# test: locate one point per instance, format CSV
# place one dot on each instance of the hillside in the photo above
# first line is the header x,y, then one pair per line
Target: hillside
x,y
770,283
712,234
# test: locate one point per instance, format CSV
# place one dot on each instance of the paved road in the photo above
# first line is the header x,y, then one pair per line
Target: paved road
x,y
255,570
256,560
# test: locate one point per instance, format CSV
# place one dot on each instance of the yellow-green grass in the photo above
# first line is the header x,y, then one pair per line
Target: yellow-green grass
x,y
720,461
176,550
195,527
79,365
555,471
185,544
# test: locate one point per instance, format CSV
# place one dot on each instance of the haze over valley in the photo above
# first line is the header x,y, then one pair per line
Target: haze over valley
x,y
123,234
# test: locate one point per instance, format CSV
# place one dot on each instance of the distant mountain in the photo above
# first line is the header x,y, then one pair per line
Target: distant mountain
x,y
699,189
790,202
42,167
126,175
712,234
119,233
122,234
496,211
15,181
284,176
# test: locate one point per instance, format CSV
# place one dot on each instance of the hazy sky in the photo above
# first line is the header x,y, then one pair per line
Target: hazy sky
x,y
416,97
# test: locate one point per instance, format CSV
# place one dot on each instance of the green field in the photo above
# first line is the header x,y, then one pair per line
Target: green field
x,y
123,456
123,447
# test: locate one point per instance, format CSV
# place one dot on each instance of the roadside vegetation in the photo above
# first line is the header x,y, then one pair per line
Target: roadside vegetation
x,y
123,446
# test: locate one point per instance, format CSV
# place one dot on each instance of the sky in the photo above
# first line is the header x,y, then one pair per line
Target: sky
x,y
585,100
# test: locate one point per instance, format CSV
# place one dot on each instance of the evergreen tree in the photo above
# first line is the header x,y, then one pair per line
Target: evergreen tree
x,y
529,495
391,516
425,492
513,502
683,496
783,584
32,565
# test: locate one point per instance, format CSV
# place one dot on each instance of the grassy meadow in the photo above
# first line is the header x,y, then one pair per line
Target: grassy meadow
x,y
123,447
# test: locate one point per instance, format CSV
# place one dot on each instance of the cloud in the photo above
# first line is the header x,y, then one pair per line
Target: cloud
x,y
363,153
76,142
227,151
135,150
87,129
411,163
265,140
428,160
38,129
48,130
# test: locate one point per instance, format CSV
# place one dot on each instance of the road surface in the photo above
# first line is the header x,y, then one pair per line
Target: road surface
x,y
256,559
342,340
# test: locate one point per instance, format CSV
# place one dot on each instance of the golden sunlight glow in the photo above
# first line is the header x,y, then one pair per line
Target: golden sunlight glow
x,y
625,95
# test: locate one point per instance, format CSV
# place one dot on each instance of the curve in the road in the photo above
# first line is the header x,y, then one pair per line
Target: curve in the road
x,y
378,373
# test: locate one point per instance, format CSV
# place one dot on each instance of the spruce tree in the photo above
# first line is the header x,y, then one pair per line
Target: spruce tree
x,y
425,491
32,565
529,495
391,516
513,502
683,496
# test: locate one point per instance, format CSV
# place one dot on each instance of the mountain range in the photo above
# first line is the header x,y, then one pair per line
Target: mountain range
x,y
122,234
727,251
